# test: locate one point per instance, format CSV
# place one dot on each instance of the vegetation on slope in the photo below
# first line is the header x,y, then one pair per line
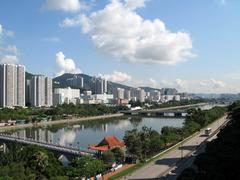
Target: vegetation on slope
x,y
222,156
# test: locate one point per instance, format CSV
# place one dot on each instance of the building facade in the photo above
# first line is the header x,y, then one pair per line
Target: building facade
x,y
76,82
66,95
41,91
12,85
99,86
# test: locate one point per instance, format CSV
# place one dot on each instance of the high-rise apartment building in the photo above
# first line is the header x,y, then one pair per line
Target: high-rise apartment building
x,y
119,93
99,86
41,91
12,85
48,91
76,81
127,94
140,95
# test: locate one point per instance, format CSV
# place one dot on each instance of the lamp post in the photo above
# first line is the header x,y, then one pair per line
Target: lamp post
x,y
182,150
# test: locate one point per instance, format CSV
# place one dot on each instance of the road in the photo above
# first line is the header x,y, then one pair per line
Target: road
x,y
177,107
171,164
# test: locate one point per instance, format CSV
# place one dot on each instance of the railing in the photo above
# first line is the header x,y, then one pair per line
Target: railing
x,y
51,146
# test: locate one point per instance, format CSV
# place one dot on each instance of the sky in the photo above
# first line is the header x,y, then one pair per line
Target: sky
x,y
191,45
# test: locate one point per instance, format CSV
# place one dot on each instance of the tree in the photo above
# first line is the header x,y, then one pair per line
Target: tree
x,y
86,166
39,161
118,154
133,142
108,157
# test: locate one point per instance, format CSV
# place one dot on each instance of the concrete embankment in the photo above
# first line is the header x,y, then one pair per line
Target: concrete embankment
x,y
62,121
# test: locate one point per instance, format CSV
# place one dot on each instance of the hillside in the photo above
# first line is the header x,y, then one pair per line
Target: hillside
x,y
61,81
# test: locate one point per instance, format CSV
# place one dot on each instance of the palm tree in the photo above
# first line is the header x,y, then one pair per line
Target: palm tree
x,y
39,161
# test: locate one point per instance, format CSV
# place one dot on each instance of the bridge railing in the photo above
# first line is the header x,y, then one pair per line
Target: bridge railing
x,y
46,144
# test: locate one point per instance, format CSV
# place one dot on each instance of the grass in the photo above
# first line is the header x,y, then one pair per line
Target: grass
x,y
127,171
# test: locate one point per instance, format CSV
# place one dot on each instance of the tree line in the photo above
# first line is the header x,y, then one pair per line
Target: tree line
x,y
33,162
58,112
144,143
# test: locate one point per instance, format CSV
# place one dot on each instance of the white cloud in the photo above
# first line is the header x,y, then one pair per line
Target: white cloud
x,y
203,83
63,5
1,29
9,59
218,83
121,32
66,65
6,32
133,4
72,22
117,76
181,84
153,83
9,49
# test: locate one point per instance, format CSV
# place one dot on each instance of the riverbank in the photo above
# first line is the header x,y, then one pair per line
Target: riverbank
x,y
152,164
62,121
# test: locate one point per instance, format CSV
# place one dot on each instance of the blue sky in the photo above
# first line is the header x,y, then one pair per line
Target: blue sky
x,y
191,45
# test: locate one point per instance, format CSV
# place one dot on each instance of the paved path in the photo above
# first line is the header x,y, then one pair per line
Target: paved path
x,y
62,121
178,157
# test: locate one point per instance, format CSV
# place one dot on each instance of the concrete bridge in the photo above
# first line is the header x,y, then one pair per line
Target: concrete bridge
x,y
172,113
64,150
177,111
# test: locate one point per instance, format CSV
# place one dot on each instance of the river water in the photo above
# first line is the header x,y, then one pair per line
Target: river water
x,y
83,133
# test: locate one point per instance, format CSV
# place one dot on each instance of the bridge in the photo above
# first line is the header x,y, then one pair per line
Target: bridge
x,y
64,150
177,111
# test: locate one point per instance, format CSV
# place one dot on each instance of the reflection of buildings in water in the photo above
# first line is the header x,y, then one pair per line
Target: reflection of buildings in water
x,y
79,127
104,127
20,134
136,121
42,135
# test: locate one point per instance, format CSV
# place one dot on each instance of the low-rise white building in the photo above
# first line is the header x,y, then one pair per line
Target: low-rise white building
x,y
66,95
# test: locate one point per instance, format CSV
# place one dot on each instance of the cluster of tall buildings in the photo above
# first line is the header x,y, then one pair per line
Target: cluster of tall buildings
x,y
15,91
38,91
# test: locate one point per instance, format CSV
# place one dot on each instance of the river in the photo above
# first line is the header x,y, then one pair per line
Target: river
x,y
83,133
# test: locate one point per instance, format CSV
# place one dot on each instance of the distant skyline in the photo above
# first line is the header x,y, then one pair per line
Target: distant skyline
x,y
188,45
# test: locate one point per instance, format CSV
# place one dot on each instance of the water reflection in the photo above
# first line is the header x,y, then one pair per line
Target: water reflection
x,y
89,132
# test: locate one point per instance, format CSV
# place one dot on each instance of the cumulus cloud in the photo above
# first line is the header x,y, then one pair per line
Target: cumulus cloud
x,y
64,5
9,53
6,32
76,21
218,83
133,4
153,83
181,84
119,31
9,49
9,59
117,76
66,65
